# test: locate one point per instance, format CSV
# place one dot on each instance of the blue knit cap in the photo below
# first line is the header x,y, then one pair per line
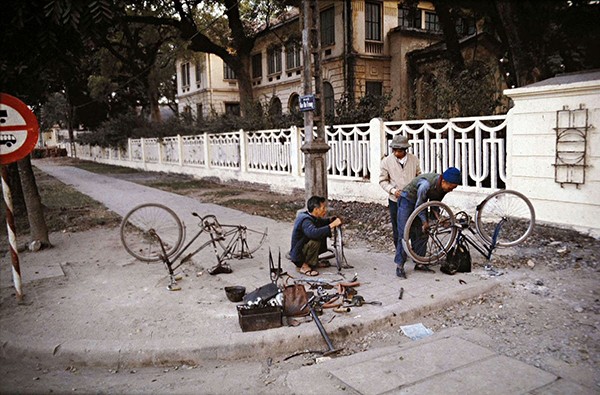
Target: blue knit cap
x,y
452,175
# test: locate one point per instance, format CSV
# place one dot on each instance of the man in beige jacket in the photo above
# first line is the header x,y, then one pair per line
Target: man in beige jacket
x,y
397,170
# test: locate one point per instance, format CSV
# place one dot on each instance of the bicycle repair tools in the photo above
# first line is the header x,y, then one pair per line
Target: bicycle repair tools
x,y
275,273
358,301
313,302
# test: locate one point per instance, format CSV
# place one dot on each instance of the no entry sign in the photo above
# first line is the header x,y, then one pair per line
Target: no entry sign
x,y
19,129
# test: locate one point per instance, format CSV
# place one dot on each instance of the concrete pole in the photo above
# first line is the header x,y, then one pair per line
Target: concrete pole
x,y
315,149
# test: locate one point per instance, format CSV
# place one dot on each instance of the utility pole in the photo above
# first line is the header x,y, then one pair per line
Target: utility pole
x,y
315,147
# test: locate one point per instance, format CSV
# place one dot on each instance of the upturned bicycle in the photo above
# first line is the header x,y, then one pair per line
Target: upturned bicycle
x,y
503,219
152,232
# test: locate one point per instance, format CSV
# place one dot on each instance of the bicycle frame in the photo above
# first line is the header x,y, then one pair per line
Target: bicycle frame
x,y
484,248
211,226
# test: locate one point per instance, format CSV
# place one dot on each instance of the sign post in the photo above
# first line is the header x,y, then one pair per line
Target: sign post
x,y
19,131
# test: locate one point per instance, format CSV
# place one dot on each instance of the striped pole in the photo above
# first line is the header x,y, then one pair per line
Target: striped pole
x,y
12,239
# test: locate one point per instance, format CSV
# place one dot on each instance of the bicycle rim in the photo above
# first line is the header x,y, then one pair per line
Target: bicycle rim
x,y
244,242
432,246
512,210
340,258
140,224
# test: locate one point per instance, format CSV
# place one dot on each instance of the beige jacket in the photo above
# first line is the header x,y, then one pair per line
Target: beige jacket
x,y
393,177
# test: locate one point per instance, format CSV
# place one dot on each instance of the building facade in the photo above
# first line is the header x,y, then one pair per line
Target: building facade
x,y
365,50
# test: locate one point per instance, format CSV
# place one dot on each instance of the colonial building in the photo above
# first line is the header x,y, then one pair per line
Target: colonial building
x,y
368,47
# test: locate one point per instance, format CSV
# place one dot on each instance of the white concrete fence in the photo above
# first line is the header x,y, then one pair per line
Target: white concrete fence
x,y
514,151
273,157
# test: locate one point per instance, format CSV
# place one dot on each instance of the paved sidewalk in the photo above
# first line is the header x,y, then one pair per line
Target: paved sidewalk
x,y
108,309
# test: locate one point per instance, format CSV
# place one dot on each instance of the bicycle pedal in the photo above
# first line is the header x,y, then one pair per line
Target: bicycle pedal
x,y
177,277
173,287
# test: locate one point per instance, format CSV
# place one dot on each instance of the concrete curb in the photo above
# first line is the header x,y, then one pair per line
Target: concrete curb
x,y
278,342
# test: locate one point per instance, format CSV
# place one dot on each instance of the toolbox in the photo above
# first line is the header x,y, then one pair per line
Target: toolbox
x,y
259,318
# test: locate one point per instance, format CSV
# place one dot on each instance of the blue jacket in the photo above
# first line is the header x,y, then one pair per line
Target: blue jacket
x,y
307,227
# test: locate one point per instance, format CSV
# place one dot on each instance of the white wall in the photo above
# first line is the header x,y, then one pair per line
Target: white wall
x,y
531,150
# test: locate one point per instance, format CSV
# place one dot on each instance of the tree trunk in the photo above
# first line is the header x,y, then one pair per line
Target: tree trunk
x,y
450,37
155,115
507,17
244,80
35,213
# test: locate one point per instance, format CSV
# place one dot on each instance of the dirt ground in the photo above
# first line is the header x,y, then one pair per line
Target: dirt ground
x,y
546,314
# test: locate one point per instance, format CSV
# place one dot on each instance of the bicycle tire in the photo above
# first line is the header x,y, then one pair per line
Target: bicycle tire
x,y
338,245
511,206
244,241
137,227
431,247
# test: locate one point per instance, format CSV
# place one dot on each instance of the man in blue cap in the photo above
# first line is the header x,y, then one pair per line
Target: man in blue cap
x,y
425,187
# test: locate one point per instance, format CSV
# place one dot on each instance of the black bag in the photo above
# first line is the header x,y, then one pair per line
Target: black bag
x,y
457,260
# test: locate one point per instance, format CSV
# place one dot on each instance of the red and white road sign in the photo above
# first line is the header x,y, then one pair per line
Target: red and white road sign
x,y
19,129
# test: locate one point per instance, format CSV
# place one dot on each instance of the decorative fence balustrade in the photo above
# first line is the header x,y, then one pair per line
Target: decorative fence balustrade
x,y
269,150
475,145
349,154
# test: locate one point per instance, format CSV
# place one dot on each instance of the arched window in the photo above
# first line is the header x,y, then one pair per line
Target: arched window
x,y
275,107
329,101
294,104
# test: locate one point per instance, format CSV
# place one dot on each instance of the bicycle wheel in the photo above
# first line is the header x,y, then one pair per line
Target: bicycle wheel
x,y
431,246
140,227
508,211
338,245
243,241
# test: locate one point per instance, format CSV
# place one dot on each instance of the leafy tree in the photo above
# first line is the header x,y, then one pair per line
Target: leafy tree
x,y
540,38
348,110
226,28
135,59
469,92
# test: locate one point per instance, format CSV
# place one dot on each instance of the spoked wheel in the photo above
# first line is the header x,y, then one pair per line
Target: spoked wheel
x,y
244,241
141,226
431,245
507,212
338,250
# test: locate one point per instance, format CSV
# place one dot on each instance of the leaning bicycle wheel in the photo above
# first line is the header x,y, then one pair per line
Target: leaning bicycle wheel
x,y
338,247
509,214
146,226
429,246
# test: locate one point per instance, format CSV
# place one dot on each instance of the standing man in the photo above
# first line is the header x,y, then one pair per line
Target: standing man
x,y
397,170
428,186
309,235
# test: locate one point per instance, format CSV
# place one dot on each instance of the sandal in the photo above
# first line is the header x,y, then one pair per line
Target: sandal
x,y
309,272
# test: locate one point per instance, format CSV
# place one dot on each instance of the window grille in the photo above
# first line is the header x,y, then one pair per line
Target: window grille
x,y
292,56
409,17
373,21
198,67
571,146
185,74
432,22
327,27
228,73
274,59
257,65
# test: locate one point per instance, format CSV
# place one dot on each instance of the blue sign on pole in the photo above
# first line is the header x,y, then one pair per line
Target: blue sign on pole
x,y
307,103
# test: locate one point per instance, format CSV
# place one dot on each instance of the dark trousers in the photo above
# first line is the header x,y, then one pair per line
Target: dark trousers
x,y
393,206
405,209
418,239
